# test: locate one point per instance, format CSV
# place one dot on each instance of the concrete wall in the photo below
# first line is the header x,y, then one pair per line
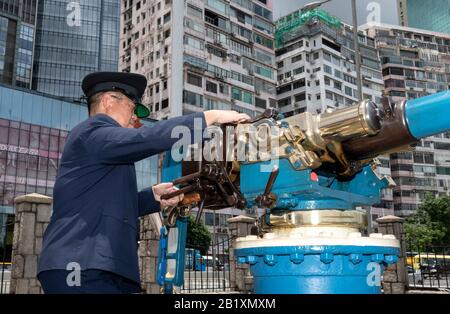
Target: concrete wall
x,y
33,214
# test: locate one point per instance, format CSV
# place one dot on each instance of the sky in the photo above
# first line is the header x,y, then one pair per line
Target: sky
x,y
367,9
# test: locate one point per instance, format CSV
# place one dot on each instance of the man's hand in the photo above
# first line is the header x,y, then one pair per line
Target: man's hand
x,y
166,188
225,116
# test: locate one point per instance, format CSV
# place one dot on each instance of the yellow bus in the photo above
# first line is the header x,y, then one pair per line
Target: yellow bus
x,y
432,265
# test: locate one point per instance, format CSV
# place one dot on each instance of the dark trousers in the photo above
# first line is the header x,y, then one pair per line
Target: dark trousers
x,y
92,282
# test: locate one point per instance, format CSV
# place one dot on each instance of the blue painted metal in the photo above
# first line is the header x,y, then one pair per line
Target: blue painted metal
x,y
178,256
171,171
428,115
317,269
297,191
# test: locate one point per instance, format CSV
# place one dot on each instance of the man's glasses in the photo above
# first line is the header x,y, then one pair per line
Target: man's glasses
x,y
121,98
139,110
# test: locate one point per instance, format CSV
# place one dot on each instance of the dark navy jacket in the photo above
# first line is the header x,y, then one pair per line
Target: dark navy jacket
x,y
96,201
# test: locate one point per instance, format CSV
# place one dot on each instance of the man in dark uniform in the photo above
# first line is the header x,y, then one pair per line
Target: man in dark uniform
x,y
90,245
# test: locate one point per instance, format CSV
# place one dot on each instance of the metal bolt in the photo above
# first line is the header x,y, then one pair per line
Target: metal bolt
x,y
326,258
270,260
355,258
297,258
252,260
391,259
377,258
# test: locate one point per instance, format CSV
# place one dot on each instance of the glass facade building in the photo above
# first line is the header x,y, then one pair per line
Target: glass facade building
x,y
17,30
74,39
432,15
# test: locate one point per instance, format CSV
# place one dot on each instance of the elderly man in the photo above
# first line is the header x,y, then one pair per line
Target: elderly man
x,y
90,245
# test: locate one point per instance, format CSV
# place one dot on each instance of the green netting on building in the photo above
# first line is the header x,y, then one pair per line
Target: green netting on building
x,y
299,18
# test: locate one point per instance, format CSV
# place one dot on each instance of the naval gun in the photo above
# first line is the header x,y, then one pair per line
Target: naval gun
x,y
308,186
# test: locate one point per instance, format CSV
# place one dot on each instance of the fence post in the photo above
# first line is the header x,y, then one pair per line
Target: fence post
x,y
241,279
148,255
395,277
33,212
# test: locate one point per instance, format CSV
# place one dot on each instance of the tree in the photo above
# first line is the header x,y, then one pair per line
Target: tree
x,y
198,236
431,224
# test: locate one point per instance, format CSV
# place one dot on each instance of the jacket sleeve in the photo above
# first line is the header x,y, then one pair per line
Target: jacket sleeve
x,y
147,203
116,145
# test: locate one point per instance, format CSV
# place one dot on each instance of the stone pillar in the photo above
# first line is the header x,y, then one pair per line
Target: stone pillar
x,y
241,279
148,256
33,214
395,277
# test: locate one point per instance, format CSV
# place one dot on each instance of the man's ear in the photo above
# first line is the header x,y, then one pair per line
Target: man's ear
x,y
106,102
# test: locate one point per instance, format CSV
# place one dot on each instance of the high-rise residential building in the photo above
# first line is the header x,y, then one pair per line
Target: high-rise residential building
x,y
17,30
74,39
199,55
432,15
316,72
415,63
316,64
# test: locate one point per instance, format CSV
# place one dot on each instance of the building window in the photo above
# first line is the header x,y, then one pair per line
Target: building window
x,y
194,11
166,18
194,80
284,89
348,91
299,84
241,95
211,87
194,42
261,103
165,103
300,97
296,58
299,70
193,98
